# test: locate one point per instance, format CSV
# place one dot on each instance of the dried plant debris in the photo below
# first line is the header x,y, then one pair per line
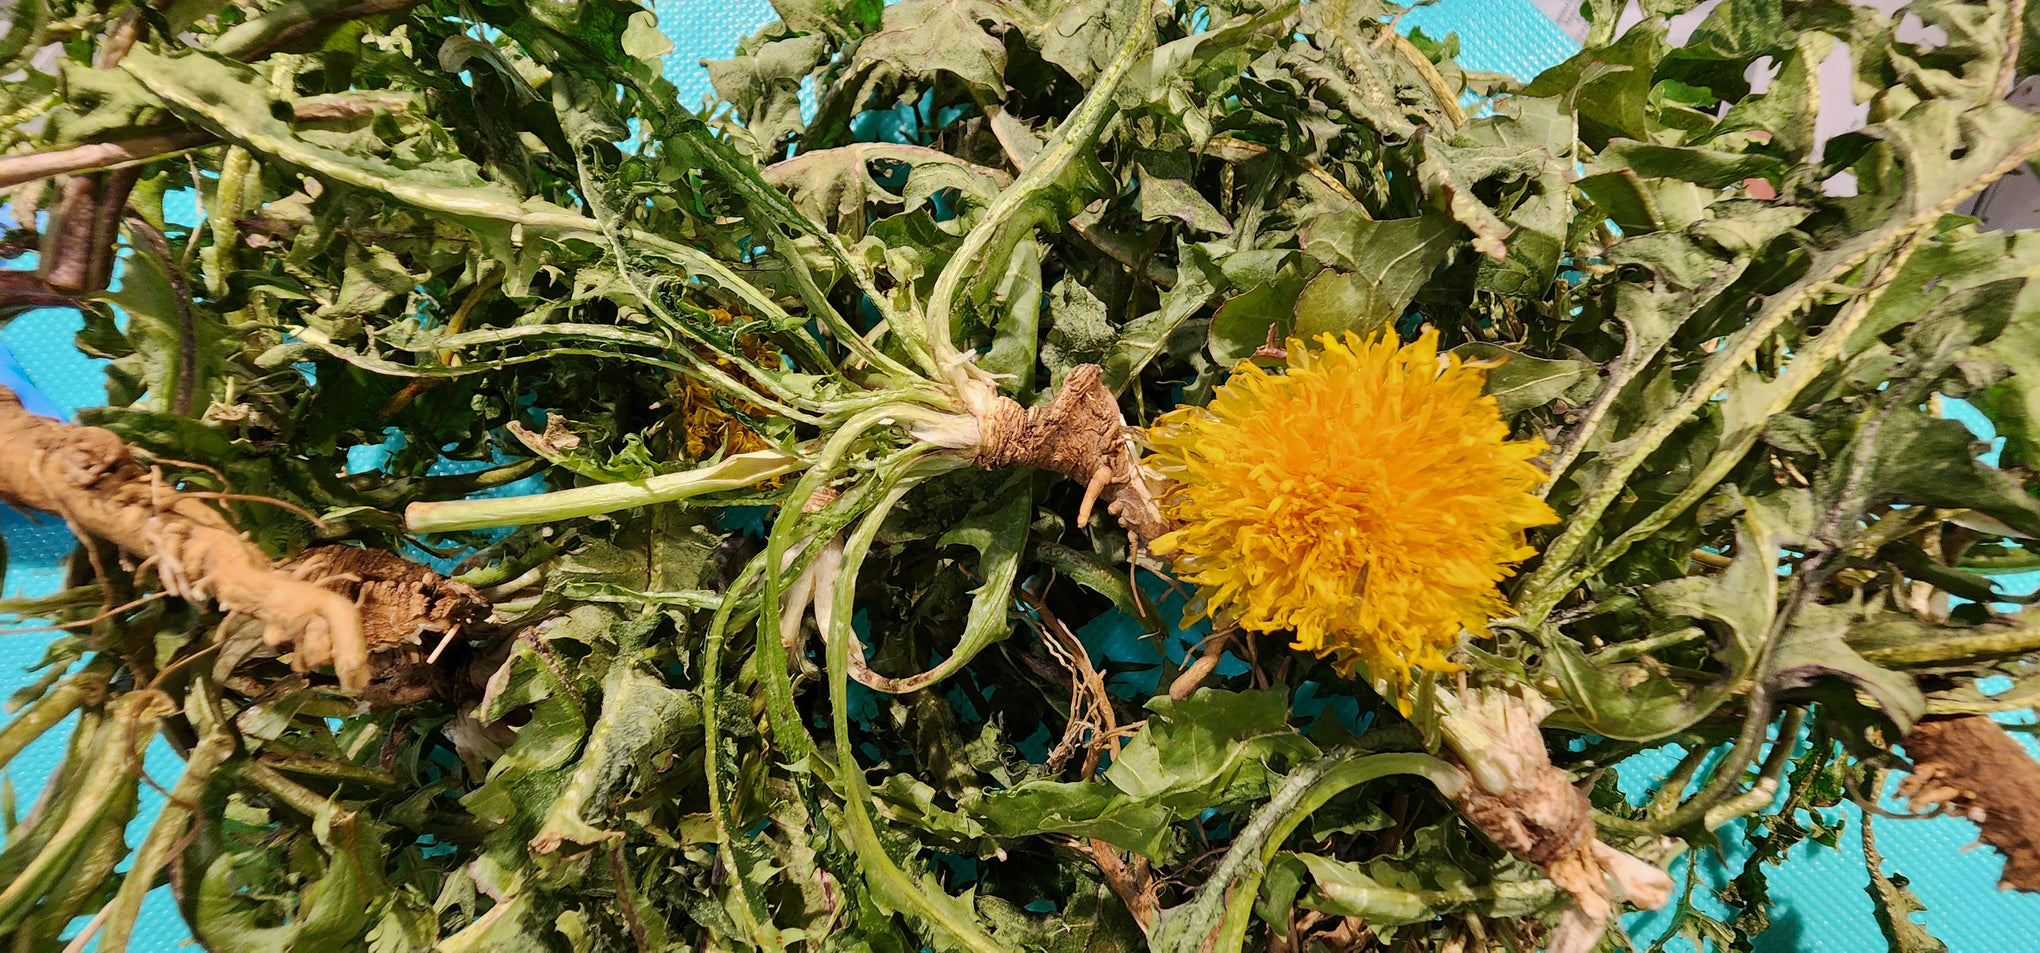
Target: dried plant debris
x,y
1007,475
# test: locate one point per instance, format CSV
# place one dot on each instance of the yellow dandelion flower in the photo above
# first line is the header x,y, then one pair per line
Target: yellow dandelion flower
x,y
1370,500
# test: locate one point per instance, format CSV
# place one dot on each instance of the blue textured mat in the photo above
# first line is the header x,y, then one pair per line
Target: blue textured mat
x,y
1819,903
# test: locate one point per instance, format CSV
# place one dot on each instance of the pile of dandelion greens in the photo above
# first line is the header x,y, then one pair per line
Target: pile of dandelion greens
x,y
1520,427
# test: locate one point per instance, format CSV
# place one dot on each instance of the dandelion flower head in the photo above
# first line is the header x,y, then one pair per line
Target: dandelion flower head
x,y
1369,499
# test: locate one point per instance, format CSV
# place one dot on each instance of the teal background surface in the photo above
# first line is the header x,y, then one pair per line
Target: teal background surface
x,y
1819,903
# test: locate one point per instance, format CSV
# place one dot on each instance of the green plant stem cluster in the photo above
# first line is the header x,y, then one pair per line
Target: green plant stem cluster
x,y
832,683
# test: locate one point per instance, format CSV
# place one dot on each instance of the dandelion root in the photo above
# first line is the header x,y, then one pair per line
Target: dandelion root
x,y
1529,807
409,614
87,476
1970,765
1079,434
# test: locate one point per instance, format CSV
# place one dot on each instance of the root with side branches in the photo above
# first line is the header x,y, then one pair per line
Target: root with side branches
x,y
88,477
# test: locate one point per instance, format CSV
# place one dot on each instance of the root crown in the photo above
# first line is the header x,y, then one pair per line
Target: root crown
x,y
1081,435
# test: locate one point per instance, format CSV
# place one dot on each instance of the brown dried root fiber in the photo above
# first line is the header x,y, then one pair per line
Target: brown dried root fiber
x,y
1971,766
1529,807
409,614
1079,434
87,476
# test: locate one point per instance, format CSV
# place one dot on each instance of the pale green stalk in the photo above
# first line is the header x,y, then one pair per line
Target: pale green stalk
x,y
770,654
1770,778
111,771
732,473
126,905
748,914
47,711
230,196
758,302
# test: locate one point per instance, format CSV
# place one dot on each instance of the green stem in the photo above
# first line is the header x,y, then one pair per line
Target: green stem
x,y
1807,365
889,883
296,18
48,711
218,258
1850,500
1728,771
263,136
733,473
1674,787
753,915
1229,907
612,233
510,568
828,317
1636,355
1769,777
230,197
295,796
1959,646
1515,895
120,913
84,879
1019,207
1545,587
1624,651
770,654
116,757
2011,562
743,176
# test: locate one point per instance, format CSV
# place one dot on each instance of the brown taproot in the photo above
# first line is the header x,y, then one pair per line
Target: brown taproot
x,y
1972,767
400,601
1529,807
88,477
1079,434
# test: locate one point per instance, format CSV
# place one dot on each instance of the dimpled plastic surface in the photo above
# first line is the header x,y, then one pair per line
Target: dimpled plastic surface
x,y
1818,900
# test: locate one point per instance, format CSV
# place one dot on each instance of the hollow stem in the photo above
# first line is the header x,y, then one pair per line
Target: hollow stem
x,y
1674,786
733,473
1730,770
1769,778
126,905
48,710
